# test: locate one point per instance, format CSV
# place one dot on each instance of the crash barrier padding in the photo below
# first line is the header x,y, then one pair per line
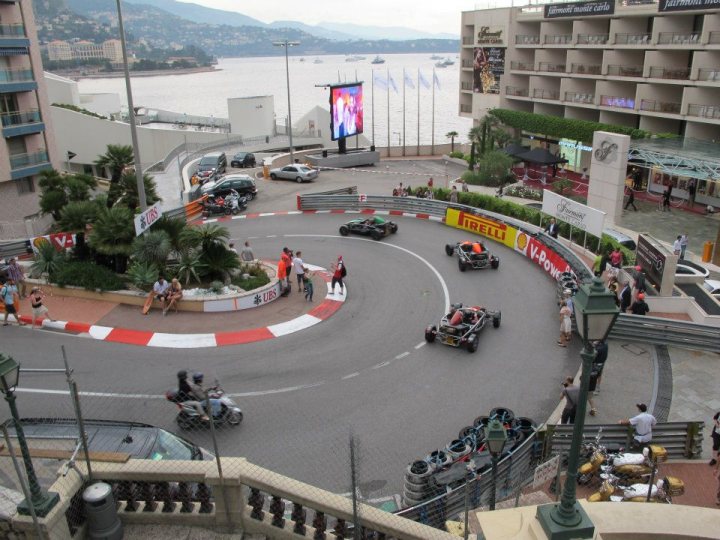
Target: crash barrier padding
x,y
193,210
682,440
15,249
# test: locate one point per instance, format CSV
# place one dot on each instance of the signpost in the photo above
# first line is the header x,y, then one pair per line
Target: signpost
x,y
144,220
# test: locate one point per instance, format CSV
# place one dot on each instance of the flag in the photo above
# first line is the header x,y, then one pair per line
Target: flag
x,y
436,81
408,81
380,81
423,81
392,84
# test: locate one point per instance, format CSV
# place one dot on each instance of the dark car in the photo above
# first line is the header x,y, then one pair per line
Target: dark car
x,y
242,160
242,183
211,166
374,226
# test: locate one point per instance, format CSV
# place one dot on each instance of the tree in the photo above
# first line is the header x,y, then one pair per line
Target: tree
x,y
52,193
153,247
188,265
125,191
117,158
496,165
113,235
451,135
204,236
74,218
174,228
78,186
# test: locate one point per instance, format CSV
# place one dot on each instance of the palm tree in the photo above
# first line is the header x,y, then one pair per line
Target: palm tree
x,y
451,135
125,191
113,234
219,261
174,228
153,247
486,126
53,197
74,218
116,158
204,236
47,261
78,186
188,266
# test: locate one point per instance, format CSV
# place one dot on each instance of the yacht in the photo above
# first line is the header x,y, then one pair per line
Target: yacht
x,y
378,60
317,61
353,58
436,57
448,61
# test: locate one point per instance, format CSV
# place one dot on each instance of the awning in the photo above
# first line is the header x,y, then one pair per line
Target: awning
x,y
681,157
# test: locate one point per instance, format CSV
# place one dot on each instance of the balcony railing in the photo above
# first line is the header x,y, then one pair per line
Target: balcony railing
x,y
19,161
714,38
625,71
522,66
632,39
592,39
660,106
657,72
16,75
527,40
709,74
576,97
541,93
12,30
620,102
466,63
468,40
516,91
704,111
558,39
18,118
465,108
586,69
552,68
677,38
466,86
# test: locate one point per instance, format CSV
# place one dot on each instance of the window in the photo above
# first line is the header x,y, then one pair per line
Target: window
x,y
25,185
88,169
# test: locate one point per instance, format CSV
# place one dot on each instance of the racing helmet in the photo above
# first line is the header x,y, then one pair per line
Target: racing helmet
x,y
198,377
182,374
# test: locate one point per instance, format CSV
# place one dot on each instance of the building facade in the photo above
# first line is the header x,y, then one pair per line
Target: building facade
x,y
28,145
83,50
649,64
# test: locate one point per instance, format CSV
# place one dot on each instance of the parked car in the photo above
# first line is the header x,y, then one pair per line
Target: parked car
x,y
242,183
623,239
299,173
689,268
211,166
242,160
712,286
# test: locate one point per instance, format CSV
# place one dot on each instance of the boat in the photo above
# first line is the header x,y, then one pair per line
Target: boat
x,y
302,59
448,61
353,58
441,64
436,57
378,60
317,61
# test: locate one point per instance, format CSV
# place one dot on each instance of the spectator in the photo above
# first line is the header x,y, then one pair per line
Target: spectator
x,y
666,199
639,306
598,266
616,258
286,257
639,285
339,272
636,179
430,183
630,194
37,307
643,424
565,324
174,295
297,263
677,247
307,282
552,228
465,188
10,297
625,297
683,245
692,188
454,195
598,363
571,393
231,247
160,291
282,277
715,434
16,272
247,254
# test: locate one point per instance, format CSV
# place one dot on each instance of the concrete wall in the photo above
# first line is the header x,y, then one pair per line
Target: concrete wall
x,y
252,116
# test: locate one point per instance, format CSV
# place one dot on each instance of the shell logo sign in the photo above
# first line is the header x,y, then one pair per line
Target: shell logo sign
x,y
540,254
481,225
59,241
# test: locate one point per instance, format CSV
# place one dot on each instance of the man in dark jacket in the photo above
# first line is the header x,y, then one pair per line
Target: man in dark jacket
x,y
625,297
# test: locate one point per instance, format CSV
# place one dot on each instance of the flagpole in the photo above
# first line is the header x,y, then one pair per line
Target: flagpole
x,y
373,106
432,133
403,141
388,110
418,115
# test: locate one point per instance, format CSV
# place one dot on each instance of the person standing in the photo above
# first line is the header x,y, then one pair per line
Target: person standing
x,y
639,285
636,179
430,183
598,363
282,277
465,188
231,247
339,272
616,258
625,297
630,198
643,424
565,324
715,434
247,254
36,305
666,199
677,247
286,258
454,195
307,282
683,245
297,263
639,306
692,188
10,296
16,272
571,393
552,228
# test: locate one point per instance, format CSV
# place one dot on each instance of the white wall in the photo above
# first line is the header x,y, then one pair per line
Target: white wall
x,y
62,90
252,116
102,104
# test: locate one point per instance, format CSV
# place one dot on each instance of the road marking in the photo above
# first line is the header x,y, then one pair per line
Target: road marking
x,y
350,376
421,344
381,364
402,355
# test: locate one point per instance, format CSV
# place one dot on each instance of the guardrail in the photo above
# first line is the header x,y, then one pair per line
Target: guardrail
x,y
666,332
14,249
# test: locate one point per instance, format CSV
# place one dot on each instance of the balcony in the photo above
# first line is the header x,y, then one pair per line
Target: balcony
x,y
467,40
466,63
465,108
23,165
12,31
676,38
527,40
552,68
657,72
625,71
660,106
619,102
704,111
516,91
575,97
540,93
714,38
15,124
558,39
13,39
466,86
592,39
522,66
17,80
586,69
632,39
708,74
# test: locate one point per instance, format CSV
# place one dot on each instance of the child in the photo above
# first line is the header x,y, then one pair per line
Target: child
x,y
308,284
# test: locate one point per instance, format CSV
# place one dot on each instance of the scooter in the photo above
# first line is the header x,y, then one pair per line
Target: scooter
x,y
235,202
662,492
224,410
213,206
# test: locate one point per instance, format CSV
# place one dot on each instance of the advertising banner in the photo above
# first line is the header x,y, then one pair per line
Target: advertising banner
x,y
573,213
481,225
488,66
60,241
580,9
147,218
488,35
552,263
651,260
687,5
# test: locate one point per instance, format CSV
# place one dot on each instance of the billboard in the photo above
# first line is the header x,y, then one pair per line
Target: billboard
x,y
574,213
687,5
580,9
346,110
488,65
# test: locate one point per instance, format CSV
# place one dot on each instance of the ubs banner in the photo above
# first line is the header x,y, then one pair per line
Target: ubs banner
x,y
488,65
581,9
687,5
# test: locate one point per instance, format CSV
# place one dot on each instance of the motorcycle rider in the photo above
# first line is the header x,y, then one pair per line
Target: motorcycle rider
x,y
197,394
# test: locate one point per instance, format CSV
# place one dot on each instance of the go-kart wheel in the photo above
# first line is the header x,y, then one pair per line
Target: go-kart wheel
x,y
449,249
376,235
430,334
462,265
344,231
472,345
393,228
494,263
496,321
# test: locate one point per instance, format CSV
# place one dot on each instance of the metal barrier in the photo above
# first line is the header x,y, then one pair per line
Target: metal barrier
x,y
14,249
683,440
669,332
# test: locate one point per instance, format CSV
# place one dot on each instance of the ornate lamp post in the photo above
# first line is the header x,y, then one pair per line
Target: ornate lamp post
x,y
287,44
595,312
40,501
496,437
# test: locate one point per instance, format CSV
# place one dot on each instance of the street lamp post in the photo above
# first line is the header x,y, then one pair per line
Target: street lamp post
x,y
596,312
495,438
40,501
287,44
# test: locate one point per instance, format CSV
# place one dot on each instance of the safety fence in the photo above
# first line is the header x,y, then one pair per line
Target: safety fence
x,y
668,332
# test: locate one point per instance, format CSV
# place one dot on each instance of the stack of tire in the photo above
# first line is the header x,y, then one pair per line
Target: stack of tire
x,y
418,486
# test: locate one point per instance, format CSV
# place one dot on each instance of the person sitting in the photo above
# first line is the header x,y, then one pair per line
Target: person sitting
x,y
466,246
477,250
187,396
174,295
456,319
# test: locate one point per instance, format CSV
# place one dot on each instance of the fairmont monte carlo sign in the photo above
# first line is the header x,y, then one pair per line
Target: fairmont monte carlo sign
x,y
687,5
580,9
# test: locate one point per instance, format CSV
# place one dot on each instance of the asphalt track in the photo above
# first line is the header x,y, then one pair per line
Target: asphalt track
x,y
365,371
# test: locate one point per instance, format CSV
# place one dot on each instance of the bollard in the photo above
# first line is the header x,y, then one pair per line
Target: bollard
x,y
707,251
266,172
103,521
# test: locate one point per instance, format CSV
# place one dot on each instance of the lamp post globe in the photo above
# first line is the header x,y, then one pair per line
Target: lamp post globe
x,y
495,438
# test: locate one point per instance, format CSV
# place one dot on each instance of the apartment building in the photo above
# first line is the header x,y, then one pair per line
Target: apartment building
x,y
650,64
27,145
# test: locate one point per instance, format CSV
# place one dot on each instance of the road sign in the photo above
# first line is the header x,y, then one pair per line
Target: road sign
x,y
545,471
147,218
71,155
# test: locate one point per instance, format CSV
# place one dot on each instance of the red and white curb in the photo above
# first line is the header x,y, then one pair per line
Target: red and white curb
x,y
371,211
330,304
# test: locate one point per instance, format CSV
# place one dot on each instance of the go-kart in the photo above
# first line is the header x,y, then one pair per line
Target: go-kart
x,y
465,331
373,226
467,258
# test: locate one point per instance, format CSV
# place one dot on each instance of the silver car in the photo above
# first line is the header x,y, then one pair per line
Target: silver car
x,y
299,173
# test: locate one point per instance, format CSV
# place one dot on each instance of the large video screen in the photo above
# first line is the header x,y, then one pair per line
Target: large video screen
x,y
346,110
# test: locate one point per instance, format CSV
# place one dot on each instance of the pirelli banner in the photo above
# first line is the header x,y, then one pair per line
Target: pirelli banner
x,y
552,263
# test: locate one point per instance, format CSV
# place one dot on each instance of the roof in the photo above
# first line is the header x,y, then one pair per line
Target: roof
x,y
542,156
679,156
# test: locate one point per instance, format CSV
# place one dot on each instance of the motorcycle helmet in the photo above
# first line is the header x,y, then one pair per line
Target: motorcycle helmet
x,y
182,374
198,377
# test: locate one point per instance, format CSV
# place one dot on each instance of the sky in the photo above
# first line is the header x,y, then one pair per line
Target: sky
x,y
425,15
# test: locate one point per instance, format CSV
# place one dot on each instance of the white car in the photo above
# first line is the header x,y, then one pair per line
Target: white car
x,y
687,268
299,173
712,286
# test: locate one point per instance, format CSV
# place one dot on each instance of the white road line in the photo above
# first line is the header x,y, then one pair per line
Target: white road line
x,y
350,376
381,364
421,344
402,355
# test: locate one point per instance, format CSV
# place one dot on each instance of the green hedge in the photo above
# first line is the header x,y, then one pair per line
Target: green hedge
x,y
565,128
88,275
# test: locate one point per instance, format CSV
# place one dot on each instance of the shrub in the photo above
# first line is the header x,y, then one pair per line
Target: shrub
x,y
216,287
257,277
457,154
88,275
143,274
524,193
47,261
